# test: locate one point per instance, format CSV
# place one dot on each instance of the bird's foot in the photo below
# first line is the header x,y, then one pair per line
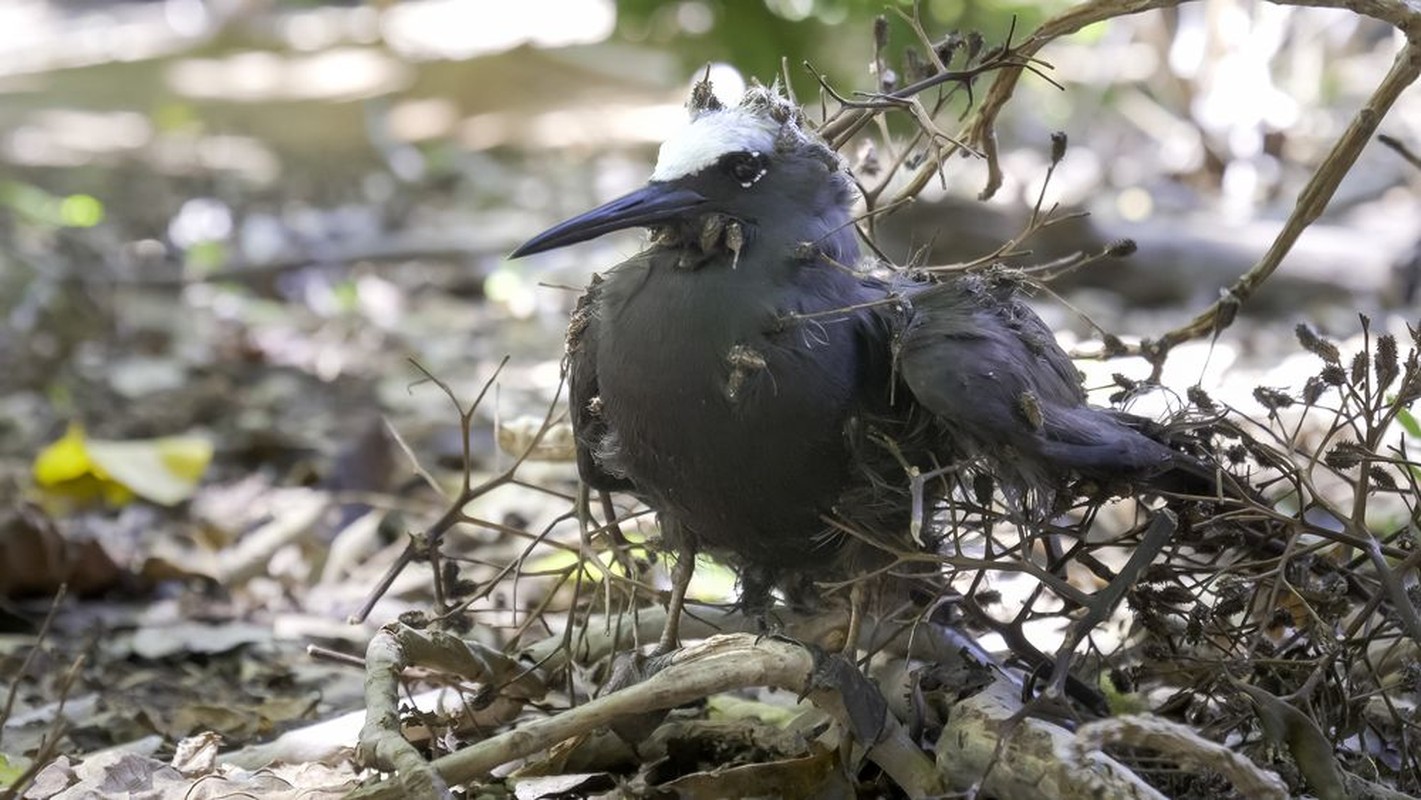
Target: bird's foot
x,y
864,706
769,626
676,604
629,669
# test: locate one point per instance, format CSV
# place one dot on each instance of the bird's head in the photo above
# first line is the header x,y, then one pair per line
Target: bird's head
x,y
754,163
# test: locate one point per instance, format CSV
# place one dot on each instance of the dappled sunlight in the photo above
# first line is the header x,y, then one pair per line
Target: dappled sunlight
x,y
339,74
276,401
460,29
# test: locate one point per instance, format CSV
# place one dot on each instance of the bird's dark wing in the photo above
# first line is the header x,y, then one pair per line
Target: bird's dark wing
x,y
982,361
580,366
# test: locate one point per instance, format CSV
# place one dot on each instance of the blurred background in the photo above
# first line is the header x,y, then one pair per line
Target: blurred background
x,y
227,228
244,217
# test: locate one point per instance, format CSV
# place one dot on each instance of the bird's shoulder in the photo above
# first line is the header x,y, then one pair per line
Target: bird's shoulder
x,y
584,392
580,322
982,325
970,306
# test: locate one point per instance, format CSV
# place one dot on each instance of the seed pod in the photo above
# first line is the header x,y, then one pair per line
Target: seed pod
x,y
1385,361
1382,478
1344,455
1200,398
1121,248
1318,346
1272,399
974,45
1058,147
915,67
1030,408
947,48
1176,595
1312,390
1359,369
983,487
703,97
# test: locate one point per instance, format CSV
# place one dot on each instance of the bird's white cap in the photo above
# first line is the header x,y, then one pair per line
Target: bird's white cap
x,y
763,121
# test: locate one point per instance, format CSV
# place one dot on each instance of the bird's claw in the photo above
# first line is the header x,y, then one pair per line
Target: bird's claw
x,y
864,706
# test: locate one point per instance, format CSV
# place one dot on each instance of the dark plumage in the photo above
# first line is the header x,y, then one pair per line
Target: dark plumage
x,y
990,370
748,384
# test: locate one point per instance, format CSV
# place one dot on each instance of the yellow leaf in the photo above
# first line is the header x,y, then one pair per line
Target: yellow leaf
x,y
164,471
559,559
185,456
11,768
65,460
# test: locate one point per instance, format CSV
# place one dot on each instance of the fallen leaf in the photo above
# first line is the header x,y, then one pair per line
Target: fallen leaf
x,y
36,558
165,471
153,642
197,754
11,768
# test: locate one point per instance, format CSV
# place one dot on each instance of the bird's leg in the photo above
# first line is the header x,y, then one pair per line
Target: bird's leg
x,y
614,528
680,580
1161,528
621,548
917,485
858,597
588,522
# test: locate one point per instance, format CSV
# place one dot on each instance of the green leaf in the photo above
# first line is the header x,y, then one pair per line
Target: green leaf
x,y
1408,422
11,768
164,471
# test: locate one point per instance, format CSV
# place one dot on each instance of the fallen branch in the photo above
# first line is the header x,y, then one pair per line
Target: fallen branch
x,y
719,664
1033,763
1312,200
1183,745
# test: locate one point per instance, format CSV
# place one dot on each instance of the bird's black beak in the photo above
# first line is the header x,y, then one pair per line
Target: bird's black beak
x,y
650,205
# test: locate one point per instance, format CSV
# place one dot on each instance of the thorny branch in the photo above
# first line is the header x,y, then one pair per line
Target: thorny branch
x,y
1312,201
1401,149
427,544
1297,590
1009,61
50,747
1314,197
720,664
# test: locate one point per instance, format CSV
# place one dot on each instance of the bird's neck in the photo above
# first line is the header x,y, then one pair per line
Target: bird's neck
x,y
830,222
819,223
832,236
827,234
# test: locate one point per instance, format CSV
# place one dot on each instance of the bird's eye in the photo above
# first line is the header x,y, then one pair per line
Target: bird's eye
x,y
746,168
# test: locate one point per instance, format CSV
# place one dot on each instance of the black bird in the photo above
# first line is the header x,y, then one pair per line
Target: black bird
x,y
767,398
